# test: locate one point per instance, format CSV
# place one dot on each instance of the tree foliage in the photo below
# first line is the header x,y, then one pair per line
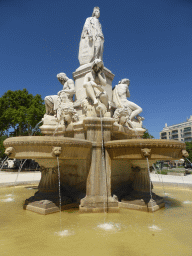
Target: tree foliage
x,y
20,112
2,148
189,150
147,135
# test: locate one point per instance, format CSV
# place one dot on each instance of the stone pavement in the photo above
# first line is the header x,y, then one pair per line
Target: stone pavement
x,y
12,178
172,180
9,179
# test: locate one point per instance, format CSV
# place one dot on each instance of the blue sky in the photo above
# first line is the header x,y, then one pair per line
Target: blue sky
x,y
147,41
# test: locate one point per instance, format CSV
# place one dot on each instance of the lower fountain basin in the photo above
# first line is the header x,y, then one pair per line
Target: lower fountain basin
x,y
167,232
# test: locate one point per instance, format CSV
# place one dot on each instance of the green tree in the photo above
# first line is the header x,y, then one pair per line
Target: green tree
x,y
2,149
20,111
189,150
147,135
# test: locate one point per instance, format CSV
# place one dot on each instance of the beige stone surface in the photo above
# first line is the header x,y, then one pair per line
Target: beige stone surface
x,y
79,76
92,39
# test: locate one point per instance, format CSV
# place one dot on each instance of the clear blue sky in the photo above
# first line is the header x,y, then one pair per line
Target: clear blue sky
x,y
147,41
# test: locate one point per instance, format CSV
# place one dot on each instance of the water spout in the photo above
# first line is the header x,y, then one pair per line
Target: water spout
x,y
36,126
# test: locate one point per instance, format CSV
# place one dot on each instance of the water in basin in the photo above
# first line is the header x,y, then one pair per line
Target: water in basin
x,y
167,232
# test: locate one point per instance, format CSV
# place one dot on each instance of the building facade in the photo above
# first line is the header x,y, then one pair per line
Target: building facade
x,y
181,132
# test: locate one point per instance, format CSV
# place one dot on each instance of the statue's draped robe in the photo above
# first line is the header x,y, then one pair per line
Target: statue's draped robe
x,y
92,27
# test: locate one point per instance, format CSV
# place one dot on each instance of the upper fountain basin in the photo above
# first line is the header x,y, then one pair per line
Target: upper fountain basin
x,y
139,149
47,147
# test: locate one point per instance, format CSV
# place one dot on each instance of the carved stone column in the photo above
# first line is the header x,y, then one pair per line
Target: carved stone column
x,y
98,190
49,180
141,181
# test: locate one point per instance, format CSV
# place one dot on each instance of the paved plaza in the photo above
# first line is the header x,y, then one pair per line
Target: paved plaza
x,y
13,178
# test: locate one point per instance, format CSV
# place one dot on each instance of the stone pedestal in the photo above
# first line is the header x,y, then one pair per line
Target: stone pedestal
x,y
140,197
47,200
79,76
51,126
98,190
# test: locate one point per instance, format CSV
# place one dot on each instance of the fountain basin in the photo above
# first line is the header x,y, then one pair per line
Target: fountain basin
x,y
131,159
73,155
81,169
126,233
131,149
41,148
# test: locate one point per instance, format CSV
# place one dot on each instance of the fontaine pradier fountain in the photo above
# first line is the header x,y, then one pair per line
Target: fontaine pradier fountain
x,y
96,139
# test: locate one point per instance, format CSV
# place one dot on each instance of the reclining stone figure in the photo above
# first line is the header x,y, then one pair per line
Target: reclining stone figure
x,y
127,111
51,102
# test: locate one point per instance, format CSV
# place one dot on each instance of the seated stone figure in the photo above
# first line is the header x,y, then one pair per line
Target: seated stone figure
x,y
127,111
51,102
65,110
93,83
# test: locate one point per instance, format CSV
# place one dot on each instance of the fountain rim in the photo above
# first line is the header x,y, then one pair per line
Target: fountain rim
x,y
152,143
47,140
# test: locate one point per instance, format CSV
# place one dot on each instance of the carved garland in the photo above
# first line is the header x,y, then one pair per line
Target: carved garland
x,y
142,145
48,143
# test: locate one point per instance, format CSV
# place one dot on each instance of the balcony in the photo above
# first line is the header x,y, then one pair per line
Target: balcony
x,y
187,135
187,129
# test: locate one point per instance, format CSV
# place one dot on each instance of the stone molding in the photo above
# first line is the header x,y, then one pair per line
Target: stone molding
x,y
47,141
141,143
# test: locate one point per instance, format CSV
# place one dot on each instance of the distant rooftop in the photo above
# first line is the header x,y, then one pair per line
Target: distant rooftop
x,y
188,120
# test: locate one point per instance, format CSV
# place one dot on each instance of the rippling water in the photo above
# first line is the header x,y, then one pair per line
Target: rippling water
x,y
129,232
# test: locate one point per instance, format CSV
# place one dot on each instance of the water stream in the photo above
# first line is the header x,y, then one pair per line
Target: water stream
x,y
6,158
153,227
59,183
56,128
188,160
15,182
36,126
160,178
105,194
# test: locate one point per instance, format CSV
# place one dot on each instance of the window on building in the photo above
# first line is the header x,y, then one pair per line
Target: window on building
x,y
187,129
188,139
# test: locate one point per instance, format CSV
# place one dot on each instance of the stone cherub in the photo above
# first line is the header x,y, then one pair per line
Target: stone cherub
x,y
93,84
52,101
92,39
127,112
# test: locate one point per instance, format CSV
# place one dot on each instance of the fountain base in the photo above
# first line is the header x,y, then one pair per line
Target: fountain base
x,y
45,207
45,203
98,204
42,207
143,202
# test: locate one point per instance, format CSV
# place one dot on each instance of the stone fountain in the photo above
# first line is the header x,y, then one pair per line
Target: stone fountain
x,y
94,133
